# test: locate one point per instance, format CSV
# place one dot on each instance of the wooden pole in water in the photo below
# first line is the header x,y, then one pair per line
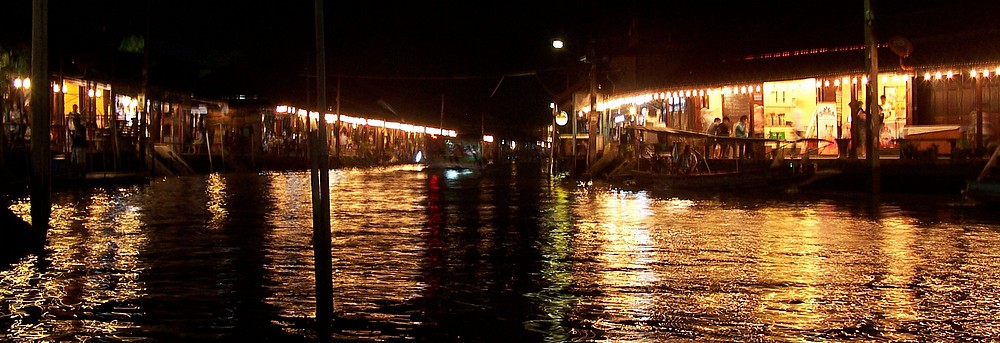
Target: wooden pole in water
x,y
979,117
321,211
874,113
41,99
336,126
592,115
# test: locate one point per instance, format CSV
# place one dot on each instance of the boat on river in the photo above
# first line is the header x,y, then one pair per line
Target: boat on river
x,y
985,189
661,172
787,176
441,153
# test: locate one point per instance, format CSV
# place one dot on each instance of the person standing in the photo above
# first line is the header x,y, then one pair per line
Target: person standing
x,y
72,116
725,145
80,145
857,130
740,131
711,144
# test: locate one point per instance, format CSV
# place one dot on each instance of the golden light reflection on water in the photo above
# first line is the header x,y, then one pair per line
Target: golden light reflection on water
x,y
215,189
90,276
378,237
416,254
669,268
618,233
291,233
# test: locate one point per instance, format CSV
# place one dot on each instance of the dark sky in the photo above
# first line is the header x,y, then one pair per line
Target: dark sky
x,y
407,55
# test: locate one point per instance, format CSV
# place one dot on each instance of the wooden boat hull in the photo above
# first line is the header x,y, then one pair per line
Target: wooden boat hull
x,y
448,163
772,178
983,192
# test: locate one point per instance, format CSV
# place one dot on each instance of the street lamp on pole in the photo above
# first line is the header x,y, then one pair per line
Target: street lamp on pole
x,y
558,44
593,115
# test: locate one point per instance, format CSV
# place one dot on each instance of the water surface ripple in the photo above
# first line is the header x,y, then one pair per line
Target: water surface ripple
x,y
506,255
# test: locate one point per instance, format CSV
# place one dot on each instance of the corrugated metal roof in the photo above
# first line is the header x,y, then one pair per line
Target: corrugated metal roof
x,y
959,51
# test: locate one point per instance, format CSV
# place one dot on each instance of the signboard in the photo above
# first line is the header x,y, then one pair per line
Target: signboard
x,y
824,123
736,105
562,118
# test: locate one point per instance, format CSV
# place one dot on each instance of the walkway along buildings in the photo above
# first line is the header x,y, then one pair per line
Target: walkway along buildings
x,y
184,133
947,104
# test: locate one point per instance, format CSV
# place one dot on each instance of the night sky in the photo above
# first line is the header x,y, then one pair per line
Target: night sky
x,y
397,59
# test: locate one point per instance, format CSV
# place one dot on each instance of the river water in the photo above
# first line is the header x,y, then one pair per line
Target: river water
x,y
506,255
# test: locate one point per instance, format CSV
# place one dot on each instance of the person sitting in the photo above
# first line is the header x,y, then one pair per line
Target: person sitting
x,y
687,162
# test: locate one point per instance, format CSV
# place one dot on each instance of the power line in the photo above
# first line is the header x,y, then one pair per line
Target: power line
x,y
434,78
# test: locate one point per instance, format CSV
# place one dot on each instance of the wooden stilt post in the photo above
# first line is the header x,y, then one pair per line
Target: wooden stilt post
x,y
873,110
321,209
41,174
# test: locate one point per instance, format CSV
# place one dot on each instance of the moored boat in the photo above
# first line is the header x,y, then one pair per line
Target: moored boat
x,y
776,178
985,189
451,154
676,171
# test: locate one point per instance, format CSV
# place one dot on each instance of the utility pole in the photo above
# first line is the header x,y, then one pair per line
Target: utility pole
x,y
873,110
592,114
979,117
553,140
336,126
144,155
321,206
573,148
41,100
